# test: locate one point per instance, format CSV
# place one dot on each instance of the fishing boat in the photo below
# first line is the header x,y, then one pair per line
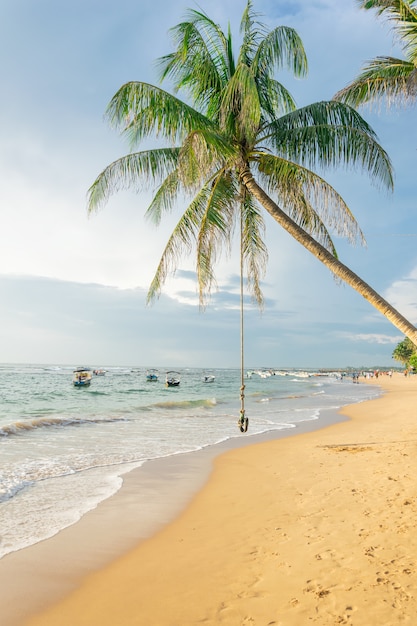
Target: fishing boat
x,y
172,378
99,372
152,375
208,378
82,377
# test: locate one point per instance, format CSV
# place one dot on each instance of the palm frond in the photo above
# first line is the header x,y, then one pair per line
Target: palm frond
x,y
182,240
240,108
403,16
201,62
253,32
281,48
133,171
330,134
385,78
205,225
216,229
254,250
275,99
310,201
141,110
203,153
397,9
303,213
164,199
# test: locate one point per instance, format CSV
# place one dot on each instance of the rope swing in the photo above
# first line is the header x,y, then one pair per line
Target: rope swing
x,y
243,422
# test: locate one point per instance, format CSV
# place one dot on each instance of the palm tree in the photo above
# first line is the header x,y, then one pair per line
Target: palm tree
x,y
403,351
388,78
239,144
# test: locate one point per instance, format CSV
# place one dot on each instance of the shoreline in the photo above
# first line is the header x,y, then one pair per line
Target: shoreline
x,y
275,513
155,494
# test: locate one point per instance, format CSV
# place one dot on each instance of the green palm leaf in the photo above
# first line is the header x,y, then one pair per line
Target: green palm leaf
x,y
384,78
205,224
387,78
329,134
201,63
254,250
134,171
310,201
141,110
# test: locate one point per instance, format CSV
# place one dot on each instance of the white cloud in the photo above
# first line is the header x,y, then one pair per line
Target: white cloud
x,y
372,338
403,295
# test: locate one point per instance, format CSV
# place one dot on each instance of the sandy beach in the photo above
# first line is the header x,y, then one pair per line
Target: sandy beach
x,y
315,528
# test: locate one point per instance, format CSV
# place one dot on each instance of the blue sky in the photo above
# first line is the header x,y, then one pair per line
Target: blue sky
x,y
73,287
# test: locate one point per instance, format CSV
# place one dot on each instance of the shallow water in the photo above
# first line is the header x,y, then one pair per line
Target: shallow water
x,y
63,450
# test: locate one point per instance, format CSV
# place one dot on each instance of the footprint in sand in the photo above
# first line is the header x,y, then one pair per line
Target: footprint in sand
x,y
327,554
316,589
371,551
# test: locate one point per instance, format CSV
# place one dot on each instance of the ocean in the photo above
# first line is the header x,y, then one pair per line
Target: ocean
x,y
65,449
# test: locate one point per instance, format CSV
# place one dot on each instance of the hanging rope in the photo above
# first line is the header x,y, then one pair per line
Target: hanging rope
x,y
243,422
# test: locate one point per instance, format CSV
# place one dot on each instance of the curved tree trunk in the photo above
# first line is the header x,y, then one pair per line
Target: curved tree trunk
x,y
327,258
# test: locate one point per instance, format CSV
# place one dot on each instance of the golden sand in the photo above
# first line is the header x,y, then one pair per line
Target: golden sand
x,y
320,528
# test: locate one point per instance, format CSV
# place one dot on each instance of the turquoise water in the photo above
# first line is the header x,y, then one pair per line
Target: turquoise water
x,y
63,450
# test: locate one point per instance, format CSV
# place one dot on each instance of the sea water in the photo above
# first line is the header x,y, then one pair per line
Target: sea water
x,y
64,449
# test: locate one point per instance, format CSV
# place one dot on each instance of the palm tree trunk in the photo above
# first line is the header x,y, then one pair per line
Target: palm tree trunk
x,y
327,258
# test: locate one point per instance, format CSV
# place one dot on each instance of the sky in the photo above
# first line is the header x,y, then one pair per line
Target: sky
x,y
73,287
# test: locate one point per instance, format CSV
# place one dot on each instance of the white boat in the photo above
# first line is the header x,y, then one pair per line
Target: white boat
x,y
99,372
208,378
152,375
172,378
82,377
